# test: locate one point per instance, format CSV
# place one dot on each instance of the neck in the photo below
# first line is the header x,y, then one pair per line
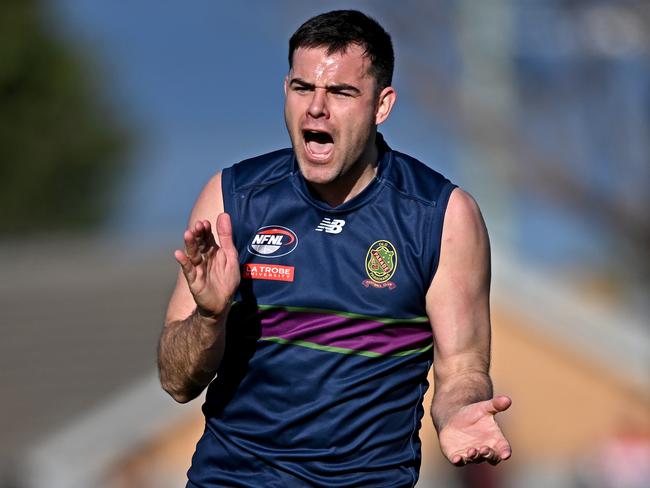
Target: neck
x,y
352,182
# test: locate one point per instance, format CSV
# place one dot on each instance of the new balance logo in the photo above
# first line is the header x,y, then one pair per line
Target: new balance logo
x,y
331,226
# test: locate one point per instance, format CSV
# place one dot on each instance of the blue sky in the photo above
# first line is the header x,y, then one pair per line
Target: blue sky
x,y
201,84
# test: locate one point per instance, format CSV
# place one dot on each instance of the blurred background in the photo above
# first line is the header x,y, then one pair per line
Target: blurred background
x,y
113,115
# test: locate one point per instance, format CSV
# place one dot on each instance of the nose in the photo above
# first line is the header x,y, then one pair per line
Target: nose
x,y
318,105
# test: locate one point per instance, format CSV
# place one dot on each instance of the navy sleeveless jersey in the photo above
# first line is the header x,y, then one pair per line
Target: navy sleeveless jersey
x,y
328,344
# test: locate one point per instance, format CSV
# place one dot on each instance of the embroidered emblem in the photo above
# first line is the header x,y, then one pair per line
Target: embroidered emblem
x,y
381,263
273,241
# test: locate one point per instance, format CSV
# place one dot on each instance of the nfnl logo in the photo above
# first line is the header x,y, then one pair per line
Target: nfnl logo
x,y
331,226
273,241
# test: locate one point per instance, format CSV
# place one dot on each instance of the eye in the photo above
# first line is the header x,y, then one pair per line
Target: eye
x,y
301,89
342,93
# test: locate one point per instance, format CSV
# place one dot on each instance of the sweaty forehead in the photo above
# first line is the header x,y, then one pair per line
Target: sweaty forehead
x,y
317,65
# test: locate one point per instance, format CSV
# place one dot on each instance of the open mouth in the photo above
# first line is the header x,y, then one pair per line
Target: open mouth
x,y
319,143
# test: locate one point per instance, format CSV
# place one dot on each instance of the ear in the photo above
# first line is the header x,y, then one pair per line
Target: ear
x,y
286,85
385,103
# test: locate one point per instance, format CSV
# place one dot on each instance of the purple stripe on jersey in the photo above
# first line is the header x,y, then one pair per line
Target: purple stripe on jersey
x,y
344,332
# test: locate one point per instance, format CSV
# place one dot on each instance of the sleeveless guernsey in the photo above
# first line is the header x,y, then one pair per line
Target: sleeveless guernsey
x,y
328,344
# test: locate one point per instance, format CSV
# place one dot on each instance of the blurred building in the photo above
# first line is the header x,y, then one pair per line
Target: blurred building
x,y
86,408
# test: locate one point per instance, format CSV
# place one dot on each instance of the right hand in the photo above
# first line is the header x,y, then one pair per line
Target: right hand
x,y
211,270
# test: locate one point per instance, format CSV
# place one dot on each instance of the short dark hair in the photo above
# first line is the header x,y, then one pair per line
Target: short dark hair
x,y
339,29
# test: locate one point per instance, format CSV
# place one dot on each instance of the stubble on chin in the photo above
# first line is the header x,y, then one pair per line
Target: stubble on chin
x,y
316,175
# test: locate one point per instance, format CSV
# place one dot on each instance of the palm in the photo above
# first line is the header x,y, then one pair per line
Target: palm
x,y
211,271
473,435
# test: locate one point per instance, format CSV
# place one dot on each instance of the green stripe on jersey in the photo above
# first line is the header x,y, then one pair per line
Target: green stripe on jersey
x,y
342,350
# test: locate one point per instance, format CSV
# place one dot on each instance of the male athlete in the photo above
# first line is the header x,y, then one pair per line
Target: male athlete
x,y
339,271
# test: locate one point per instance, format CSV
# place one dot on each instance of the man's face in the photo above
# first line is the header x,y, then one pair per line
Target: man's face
x,y
331,110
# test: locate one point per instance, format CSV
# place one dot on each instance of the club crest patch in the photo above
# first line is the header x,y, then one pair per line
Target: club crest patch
x,y
381,263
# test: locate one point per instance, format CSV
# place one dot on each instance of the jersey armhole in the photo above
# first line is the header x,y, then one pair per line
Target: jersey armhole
x,y
229,197
436,224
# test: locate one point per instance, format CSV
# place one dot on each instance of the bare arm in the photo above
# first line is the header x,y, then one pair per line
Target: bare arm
x,y
458,306
193,339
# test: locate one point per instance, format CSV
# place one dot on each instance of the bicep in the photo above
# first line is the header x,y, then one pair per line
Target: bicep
x,y
208,206
458,298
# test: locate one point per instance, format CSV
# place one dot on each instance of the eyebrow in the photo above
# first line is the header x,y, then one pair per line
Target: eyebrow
x,y
338,87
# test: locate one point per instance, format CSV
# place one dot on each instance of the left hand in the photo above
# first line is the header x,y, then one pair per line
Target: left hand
x,y
472,435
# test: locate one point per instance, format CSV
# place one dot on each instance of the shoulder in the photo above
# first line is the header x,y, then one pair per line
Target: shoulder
x,y
209,203
417,180
462,209
259,170
464,242
463,274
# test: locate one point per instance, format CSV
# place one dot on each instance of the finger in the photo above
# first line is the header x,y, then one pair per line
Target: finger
x,y
192,248
472,454
494,461
499,404
486,451
199,229
505,453
477,459
498,458
457,460
203,236
186,265
502,450
489,455
199,236
464,457
209,235
224,231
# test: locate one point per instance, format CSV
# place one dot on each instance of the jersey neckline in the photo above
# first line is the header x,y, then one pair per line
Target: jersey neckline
x,y
385,155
